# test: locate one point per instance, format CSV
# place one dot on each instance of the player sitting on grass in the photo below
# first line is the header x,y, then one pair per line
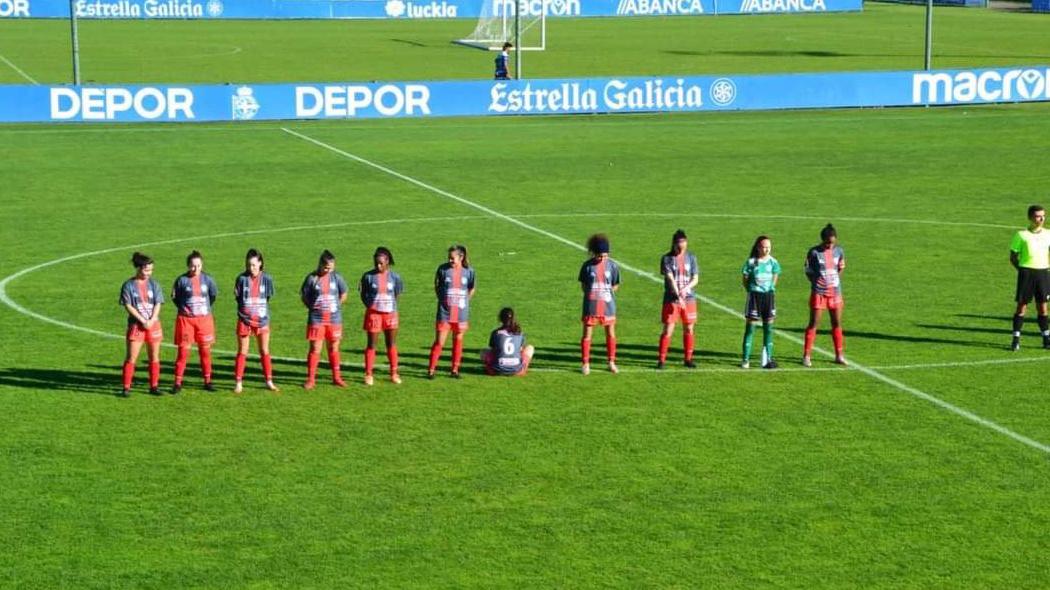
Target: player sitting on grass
x,y
507,353
760,274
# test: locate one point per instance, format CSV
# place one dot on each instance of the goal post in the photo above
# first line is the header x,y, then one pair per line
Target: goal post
x,y
496,25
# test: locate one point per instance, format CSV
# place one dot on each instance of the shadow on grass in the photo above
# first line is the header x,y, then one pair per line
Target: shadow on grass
x,y
95,382
904,338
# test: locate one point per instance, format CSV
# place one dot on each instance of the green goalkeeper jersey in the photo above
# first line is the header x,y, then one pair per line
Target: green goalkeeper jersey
x,y
761,274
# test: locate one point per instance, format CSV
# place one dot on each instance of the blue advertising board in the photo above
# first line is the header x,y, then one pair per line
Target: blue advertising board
x,y
397,9
1041,5
24,103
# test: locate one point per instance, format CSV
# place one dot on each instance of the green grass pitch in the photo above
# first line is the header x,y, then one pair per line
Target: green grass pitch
x,y
719,477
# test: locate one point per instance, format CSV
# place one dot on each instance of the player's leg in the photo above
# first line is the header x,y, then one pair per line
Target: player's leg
x,y
811,335
262,339
239,362
131,356
669,318
585,347
526,358
440,337
370,355
457,351
488,361
610,346
688,343
334,362
1022,297
750,325
184,335
1044,322
153,351
390,335
835,313
313,355
768,360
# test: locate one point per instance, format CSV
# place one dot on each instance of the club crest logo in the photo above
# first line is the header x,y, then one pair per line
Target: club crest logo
x,y
395,8
214,8
245,107
723,92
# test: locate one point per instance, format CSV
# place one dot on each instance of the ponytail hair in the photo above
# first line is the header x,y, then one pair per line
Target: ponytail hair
x,y
755,246
508,321
828,232
192,255
462,253
138,259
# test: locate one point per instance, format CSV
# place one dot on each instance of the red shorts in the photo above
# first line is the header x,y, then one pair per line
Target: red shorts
x,y
672,312
455,327
376,321
329,332
190,330
244,329
599,320
818,301
136,333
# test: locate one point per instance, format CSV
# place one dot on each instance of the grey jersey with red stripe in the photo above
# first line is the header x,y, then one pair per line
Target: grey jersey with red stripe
x,y
380,290
823,266
194,296
144,295
253,298
322,294
683,268
453,286
506,351
598,277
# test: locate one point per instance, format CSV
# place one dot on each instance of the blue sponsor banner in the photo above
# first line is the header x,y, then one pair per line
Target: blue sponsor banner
x,y
520,97
415,9
1041,5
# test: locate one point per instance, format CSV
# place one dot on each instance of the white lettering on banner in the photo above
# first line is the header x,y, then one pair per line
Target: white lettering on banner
x,y
986,86
398,8
106,104
783,6
616,96
660,7
536,7
389,100
144,8
14,8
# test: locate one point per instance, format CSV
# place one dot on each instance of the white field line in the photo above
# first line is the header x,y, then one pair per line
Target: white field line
x,y
863,369
19,70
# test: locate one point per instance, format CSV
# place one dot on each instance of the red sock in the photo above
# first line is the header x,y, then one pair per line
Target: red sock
x,y
333,363
391,355
154,373
836,338
435,354
180,363
205,363
585,350
312,359
370,360
457,354
610,348
238,367
665,343
687,340
811,335
267,364
129,374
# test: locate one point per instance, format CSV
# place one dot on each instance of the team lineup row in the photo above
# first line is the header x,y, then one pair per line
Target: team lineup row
x,y
324,291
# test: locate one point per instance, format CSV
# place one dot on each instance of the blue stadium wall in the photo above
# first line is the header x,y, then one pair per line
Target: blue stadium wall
x,y
176,103
324,9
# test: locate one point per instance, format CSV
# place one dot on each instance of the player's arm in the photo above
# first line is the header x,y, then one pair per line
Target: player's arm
x,y
135,314
437,283
1014,261
745,275
156,314
776,274
616,278
1015,250
399,287
213,290
304,293
470,286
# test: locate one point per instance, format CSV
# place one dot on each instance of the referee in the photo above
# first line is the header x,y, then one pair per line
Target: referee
x,y
1030,255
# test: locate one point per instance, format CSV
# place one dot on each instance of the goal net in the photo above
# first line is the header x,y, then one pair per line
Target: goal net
x,y
497,25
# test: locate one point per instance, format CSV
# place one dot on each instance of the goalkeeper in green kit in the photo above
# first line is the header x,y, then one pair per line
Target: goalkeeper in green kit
x,y
760,274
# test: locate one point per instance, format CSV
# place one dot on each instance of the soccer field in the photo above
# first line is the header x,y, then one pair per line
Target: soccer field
x,y
922,464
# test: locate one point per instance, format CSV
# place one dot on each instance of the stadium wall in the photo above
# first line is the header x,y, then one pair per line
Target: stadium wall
x,y
49,104
400,9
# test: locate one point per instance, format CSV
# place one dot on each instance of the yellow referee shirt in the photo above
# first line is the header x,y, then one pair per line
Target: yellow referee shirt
x,y
1032,248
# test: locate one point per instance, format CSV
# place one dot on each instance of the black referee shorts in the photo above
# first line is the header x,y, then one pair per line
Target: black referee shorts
x,y
1033,283
761,306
